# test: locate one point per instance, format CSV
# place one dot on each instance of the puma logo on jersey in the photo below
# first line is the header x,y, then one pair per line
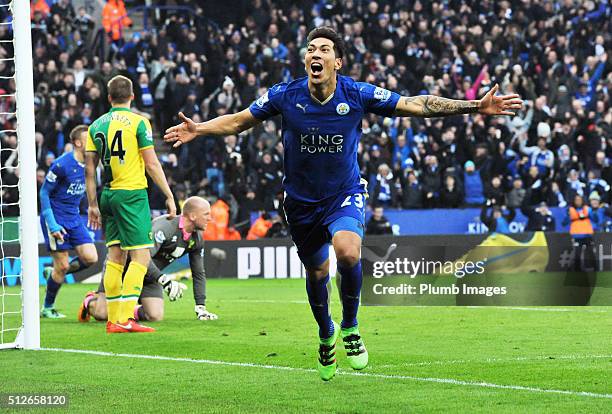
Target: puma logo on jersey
x,y
302,107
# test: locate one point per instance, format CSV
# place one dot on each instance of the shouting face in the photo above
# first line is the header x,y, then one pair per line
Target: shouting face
x,y
321,61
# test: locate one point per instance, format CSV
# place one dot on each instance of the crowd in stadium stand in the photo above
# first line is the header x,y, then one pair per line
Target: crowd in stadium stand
x,y
553,53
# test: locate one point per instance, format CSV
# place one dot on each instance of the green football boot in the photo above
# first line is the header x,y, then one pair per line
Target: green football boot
x,y
327,364
51,313
355,349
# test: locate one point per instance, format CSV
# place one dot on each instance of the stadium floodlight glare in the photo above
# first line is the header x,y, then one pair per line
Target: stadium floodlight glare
x,y
19,313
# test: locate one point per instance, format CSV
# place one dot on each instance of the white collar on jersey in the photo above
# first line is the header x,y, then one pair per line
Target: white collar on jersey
x,y
325,101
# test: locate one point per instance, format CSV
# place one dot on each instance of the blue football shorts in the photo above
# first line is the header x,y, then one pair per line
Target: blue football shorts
x,y
312,226
76,235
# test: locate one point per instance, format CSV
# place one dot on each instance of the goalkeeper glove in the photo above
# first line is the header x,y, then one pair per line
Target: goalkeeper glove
x,y
173,288
204,315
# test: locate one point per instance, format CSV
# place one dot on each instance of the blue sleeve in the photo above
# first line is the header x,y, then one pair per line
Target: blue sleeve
x,y
61,139
282,51
269,104
410,137
595,78
377,100
48,187
393,132
595,15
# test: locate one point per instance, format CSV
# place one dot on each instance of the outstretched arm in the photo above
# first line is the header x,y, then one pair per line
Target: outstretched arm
x,y
224,125
429,106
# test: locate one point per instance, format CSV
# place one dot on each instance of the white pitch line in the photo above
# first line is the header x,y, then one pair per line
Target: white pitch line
x,y
343,373
494,360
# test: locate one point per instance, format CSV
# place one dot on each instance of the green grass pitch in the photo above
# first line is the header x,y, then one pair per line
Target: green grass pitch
x,y
422,359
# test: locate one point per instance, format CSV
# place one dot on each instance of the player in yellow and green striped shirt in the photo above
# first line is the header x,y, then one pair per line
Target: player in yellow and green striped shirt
x,y
123,142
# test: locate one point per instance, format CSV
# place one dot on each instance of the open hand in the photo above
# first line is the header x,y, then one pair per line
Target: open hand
x,y
499,105
181,133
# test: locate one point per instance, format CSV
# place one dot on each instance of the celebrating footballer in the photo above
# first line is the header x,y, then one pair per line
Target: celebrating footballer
x,y
325,195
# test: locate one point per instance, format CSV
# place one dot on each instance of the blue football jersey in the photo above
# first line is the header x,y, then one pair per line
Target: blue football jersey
x,y
67,181
320,139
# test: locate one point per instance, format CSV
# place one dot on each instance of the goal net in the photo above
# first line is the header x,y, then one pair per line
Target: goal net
x,y
19,276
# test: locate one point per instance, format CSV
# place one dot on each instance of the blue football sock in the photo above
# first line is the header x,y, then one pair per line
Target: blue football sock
x,y
76,266
52,289
318,297
349,285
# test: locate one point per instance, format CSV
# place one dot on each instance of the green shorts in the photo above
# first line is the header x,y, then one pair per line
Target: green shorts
x,y
126,218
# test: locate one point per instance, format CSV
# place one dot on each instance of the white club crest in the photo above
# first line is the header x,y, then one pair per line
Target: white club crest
x,y
342,108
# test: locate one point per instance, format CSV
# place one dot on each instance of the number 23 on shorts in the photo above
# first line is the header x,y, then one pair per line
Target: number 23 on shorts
x,y
356,199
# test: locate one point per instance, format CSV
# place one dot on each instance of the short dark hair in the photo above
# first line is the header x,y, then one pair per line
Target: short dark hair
x,y
120,89
77,131
328,33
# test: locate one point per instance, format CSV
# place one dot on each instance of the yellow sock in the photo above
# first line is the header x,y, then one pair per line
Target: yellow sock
x,y
112,288
132,286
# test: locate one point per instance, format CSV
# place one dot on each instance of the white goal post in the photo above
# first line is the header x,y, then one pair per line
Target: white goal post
x,y
28,335
28,197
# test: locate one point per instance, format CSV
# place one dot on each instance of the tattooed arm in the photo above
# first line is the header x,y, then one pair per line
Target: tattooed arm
x,y
428,106
431,106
